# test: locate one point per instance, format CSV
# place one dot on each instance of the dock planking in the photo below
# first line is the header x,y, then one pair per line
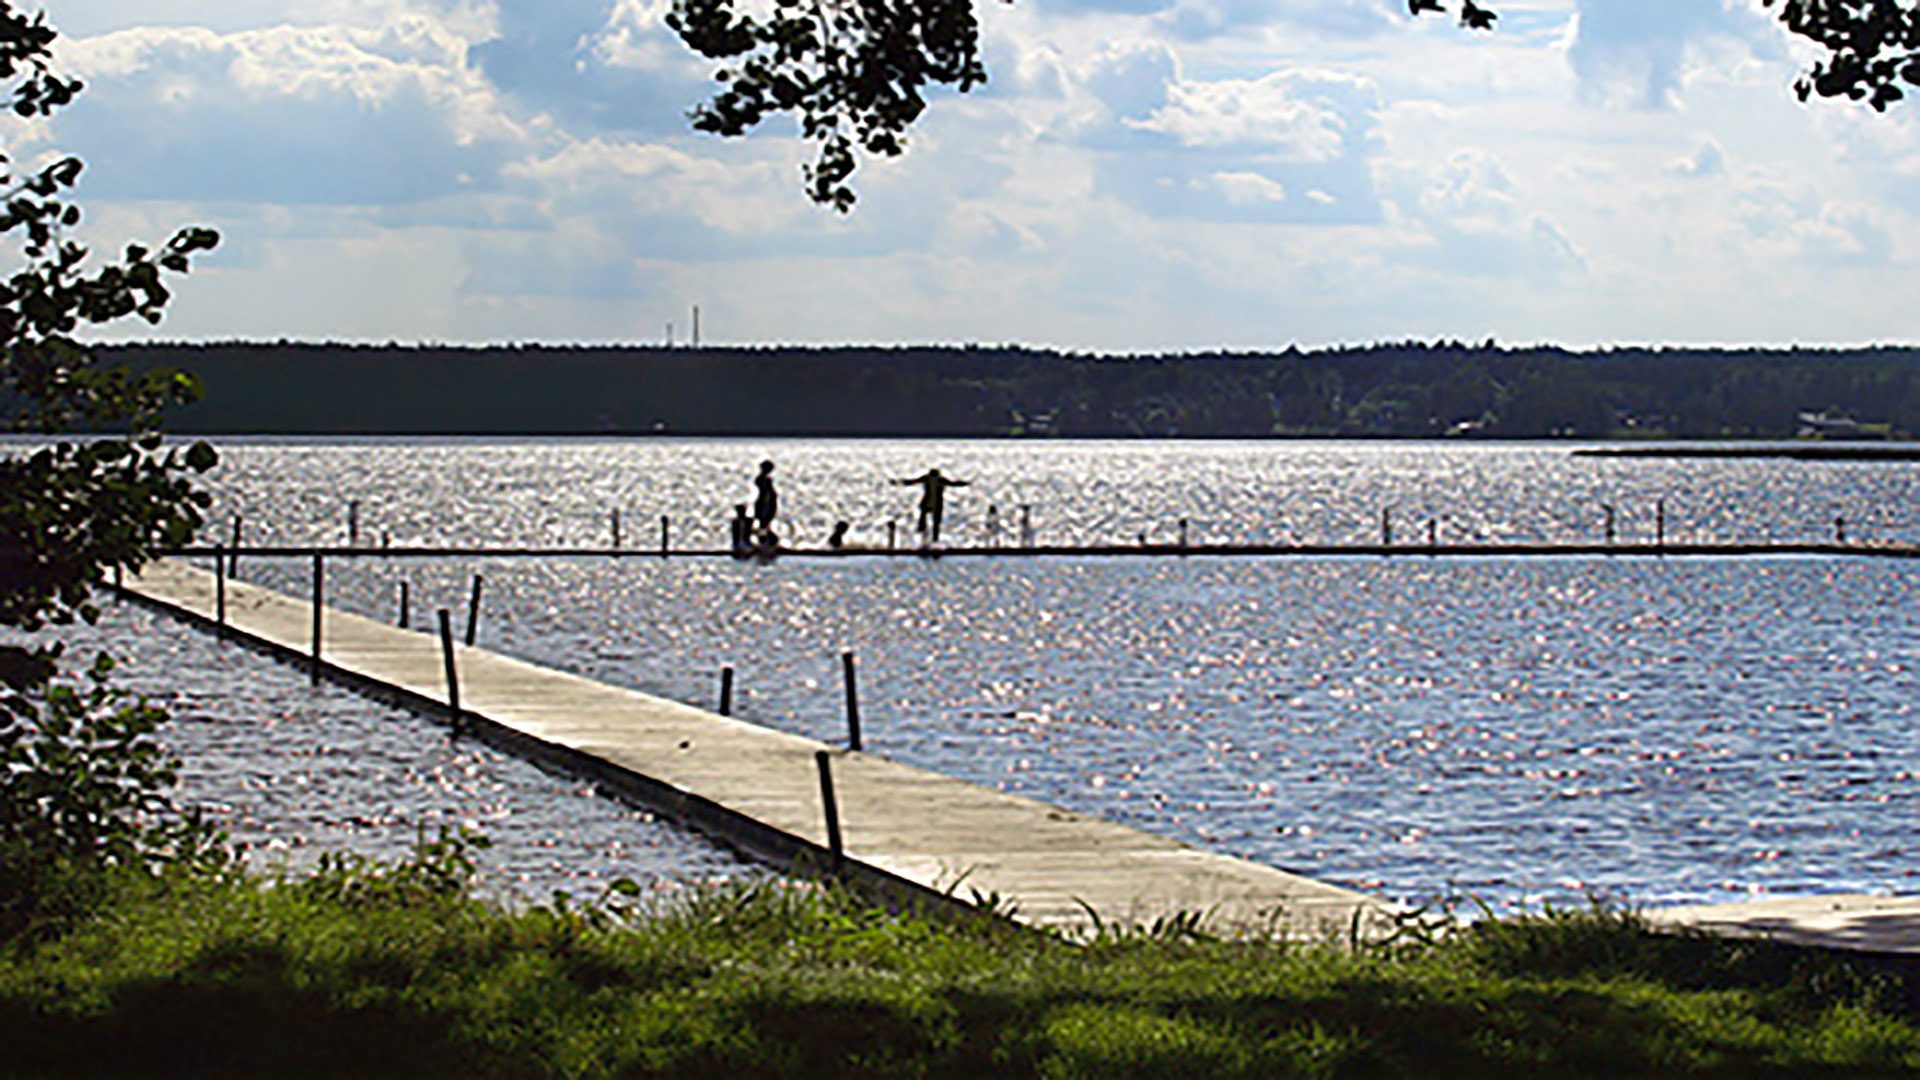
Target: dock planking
x,y
918,835
1853,921
1409,548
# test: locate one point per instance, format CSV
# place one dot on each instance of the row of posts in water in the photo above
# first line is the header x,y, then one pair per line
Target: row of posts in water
x,y
1026,530
224,563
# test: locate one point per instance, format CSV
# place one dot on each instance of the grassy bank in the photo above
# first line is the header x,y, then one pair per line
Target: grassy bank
x,y
397,970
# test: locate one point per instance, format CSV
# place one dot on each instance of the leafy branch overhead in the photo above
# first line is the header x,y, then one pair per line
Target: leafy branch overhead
x,y
854,74
71,510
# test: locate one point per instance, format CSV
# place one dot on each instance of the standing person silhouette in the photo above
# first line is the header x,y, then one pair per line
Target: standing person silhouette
x,y
766,501
933,501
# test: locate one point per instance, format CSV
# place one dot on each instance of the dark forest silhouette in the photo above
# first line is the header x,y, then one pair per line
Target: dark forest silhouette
x,y
1389,390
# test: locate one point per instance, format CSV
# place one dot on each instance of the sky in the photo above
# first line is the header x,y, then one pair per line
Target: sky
x,y
1136,175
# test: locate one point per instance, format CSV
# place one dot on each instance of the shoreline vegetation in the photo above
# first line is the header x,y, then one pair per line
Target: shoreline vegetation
x,y
1396,390
360,967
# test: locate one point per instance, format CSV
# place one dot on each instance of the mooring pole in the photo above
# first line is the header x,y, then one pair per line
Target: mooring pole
x,y
1660,523
726,691
219,588
406,615
616,530
831,807
853,701
453,672
319,604
1433,536
233,555
353,523
473,611
666,524
1386,526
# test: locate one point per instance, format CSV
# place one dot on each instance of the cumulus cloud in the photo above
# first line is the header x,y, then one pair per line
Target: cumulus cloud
x,y
1642,50
1471,219
287,114
1168,141
1199,20
1707,159
1794,222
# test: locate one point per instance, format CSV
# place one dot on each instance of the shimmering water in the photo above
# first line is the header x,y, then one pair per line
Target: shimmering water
x,y
291,770
1663,730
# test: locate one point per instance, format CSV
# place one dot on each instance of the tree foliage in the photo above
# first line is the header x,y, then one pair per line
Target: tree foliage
x,y
854,74
80,777
73,510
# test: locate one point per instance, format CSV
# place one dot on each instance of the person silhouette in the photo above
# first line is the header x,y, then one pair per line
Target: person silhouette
x,y
766,501
741,531
933,501
839,538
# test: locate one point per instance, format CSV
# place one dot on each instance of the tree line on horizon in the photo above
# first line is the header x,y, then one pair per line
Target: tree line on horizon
x,y
1393,390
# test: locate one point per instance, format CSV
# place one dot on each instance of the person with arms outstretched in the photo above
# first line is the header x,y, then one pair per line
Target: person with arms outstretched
x,y
933,501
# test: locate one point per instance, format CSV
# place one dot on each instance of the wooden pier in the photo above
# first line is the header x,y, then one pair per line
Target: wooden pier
x,y
915,834
1408,549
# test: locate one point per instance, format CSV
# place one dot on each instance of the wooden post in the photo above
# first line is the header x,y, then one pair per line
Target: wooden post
x,y
1660,523
853,701
1386,526
1026,525
831,807
220,588
353,523
726,691
893,529
453,672
319,604
473,610
666,524
406,614
233,553
616,530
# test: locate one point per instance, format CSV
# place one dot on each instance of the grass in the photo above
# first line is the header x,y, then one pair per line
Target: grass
x,y
397,970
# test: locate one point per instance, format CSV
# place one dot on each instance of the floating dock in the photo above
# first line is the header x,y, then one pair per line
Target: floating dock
x,y
1405,548
913,833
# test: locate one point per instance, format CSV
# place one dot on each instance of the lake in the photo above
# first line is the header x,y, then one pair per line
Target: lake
x,y
1517,730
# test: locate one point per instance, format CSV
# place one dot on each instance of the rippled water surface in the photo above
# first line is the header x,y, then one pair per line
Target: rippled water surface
x,y
1663,730
291,770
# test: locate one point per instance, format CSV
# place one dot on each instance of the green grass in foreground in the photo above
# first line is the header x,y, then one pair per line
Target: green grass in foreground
x,y
397,971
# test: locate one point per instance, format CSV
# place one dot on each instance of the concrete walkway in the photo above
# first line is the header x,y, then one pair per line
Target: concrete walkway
x,y
1878,924
917,833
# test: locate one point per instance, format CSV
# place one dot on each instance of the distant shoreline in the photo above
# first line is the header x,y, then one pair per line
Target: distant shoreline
x,y
1819,452
1387,391
1826,452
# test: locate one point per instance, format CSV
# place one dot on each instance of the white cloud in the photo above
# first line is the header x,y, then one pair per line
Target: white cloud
x,y
1138,173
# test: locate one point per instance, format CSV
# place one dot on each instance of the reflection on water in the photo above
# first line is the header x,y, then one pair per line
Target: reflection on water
x,y
292,770
1522,730
1665,730
563,492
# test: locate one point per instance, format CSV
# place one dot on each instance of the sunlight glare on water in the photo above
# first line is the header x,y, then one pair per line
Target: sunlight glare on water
x,y
1662,730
